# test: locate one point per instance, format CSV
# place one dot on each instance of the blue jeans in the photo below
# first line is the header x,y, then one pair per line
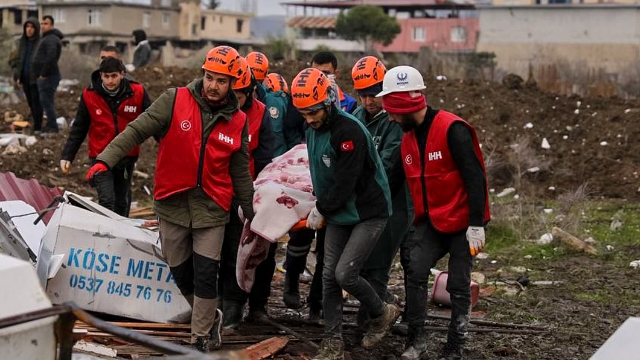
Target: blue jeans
x,y
346,248
47,91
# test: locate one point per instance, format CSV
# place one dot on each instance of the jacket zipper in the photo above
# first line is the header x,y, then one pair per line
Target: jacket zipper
x,y
114,111
203,146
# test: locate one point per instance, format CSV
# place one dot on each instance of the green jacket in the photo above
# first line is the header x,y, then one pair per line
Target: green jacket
x,y
191,208
348,177
387,137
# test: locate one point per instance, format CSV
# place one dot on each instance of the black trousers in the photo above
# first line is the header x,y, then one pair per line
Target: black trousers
x,y
228,284
114,186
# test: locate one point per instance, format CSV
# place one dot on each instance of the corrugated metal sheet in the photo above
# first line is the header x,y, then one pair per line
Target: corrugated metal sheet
x,y
312,22
29,191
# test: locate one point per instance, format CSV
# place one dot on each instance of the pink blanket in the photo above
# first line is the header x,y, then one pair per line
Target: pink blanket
x,y
283,196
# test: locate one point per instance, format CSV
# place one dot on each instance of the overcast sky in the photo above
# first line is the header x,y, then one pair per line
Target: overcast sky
x,y
265,7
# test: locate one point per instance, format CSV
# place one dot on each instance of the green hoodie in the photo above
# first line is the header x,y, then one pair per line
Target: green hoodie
x,y
191,208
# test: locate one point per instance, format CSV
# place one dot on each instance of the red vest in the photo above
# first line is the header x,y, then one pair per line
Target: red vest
x,y
185,162
254,116
446,197
105,125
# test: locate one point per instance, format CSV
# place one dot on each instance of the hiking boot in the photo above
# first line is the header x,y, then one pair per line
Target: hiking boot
x,y
330,349
212,342
451,352
379,326
232,311
291,293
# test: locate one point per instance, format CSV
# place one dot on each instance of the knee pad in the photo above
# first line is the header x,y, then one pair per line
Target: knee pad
x,y
183,275
205,276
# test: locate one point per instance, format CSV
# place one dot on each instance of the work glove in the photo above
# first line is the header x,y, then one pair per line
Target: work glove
x,y
95,169
475,237
315,220
65,166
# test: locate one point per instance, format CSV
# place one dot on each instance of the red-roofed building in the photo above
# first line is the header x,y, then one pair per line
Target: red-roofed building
x,y
442,25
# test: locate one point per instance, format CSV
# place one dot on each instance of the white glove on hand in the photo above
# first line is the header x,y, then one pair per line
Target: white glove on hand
x,y
241,214
315,220
475,237
65,166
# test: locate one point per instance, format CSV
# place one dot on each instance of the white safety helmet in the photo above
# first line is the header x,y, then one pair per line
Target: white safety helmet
x,y
401,78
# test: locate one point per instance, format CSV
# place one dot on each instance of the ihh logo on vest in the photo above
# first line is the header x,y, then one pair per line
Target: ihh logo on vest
x,y
326,160
224,138
130,108
436,155
408,159
185,125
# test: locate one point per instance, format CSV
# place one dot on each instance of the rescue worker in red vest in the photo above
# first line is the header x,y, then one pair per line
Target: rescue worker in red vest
x,y
353,196
445,172
202,163
261,151
106,107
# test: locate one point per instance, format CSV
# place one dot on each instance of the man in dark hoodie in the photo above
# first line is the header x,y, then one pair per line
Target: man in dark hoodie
x,y
106,107
142,52
24,73
46,71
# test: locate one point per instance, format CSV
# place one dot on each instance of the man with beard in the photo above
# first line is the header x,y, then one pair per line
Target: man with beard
x,y
353,196
445,172
367,75
202,163
106,107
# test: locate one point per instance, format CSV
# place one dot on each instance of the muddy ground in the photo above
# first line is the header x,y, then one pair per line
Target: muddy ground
x,y
591,140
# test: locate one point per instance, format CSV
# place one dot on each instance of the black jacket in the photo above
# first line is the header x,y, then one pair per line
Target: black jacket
x,y
45,60
26,48
82,122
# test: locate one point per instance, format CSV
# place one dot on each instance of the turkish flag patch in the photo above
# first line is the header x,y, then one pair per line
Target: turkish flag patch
x,y
347,146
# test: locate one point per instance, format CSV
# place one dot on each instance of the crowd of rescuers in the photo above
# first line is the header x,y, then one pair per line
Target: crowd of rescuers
x,y
390,174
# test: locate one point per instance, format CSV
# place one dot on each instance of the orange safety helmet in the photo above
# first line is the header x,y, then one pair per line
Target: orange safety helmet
x,y
223,60
244,81
367,72
310,87
259,64
276,82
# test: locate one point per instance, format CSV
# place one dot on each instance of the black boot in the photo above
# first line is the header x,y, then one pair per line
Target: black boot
x,y
451,351
416,346
291,294
232,314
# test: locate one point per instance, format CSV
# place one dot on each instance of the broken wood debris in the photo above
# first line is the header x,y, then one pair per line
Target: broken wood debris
x,y
568,239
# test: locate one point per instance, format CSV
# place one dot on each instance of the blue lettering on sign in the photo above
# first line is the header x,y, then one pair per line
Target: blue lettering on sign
x,y
148,269
135,270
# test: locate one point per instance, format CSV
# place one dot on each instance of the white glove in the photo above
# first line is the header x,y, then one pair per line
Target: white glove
x,y
65,166
241,214
475,237
130,67
315,220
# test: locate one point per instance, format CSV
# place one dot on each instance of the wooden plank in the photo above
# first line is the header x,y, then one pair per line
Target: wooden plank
x,y
266,348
